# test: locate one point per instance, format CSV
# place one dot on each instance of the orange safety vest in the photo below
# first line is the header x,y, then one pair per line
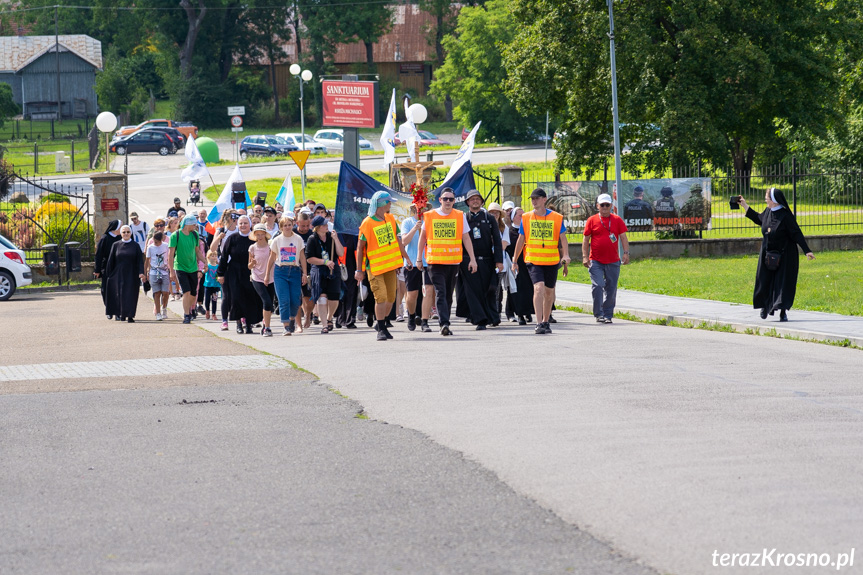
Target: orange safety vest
x,y
443,237
382,244
542,238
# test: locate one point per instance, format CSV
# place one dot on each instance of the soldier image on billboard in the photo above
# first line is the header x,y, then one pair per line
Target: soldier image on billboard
x,y
696,207
666,208
638,213
574,205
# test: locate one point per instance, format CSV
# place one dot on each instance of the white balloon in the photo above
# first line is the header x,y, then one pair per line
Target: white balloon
x,y
307,75
106,122
294,69
419,113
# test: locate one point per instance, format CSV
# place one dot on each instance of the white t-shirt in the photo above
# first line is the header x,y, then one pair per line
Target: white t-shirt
x,y
158,256
287,249
139,233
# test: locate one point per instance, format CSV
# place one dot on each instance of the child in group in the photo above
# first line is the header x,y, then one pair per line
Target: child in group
x,y
156,269
211,286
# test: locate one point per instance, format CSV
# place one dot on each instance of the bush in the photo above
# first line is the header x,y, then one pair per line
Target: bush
x,y
50,210
60,198
57,230
18,227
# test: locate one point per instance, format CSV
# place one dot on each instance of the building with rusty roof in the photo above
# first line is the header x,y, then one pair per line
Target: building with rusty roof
x,y
35,67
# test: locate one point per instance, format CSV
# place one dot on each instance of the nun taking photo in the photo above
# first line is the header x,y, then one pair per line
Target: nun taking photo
x,y
778,261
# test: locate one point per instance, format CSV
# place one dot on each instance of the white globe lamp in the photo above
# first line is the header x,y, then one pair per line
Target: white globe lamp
x,y
307,75
294,69
419,113
106,122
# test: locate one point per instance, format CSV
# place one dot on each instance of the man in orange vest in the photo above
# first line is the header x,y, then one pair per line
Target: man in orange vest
x,y
446,234
380,249
542,236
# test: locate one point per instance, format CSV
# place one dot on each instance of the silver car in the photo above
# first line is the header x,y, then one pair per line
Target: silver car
x,y
334,139
298,141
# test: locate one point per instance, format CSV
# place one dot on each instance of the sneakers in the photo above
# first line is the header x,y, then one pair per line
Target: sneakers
x,y
444,330
159,316
351,325
600,319
224,326
521,320
400,317
539,329
434,314
287,332
240,329
266,332
200,309
381,336
424,326
608,320
412,322
547,326
187,318
249,329
292,326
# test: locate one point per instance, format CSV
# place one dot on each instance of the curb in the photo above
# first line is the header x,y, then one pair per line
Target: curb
x,y
739,327
64,288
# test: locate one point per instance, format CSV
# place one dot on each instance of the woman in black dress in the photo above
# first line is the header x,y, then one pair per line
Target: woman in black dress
x,y
234,273
778,263
322,250
124,273
103,250
520,303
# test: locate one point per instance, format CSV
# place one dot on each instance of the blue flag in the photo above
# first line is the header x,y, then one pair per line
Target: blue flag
x,y
286,195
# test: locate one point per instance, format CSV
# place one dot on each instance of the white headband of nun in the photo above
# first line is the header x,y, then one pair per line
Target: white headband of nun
x,y
773,195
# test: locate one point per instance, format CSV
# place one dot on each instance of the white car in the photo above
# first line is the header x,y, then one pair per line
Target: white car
x,y
297,140
335,138
14,271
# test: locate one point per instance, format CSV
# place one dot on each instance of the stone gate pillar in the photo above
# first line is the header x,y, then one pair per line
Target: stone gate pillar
x,y
109,201
510,184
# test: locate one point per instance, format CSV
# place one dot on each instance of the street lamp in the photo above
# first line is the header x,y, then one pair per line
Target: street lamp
x,y
107,123
303,77
614,106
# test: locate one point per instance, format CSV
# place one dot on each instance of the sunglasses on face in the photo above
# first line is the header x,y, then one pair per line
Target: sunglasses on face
x,y
447,199
160,225
604,205
125,232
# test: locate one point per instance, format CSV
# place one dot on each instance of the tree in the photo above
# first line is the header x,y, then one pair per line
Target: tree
x,y
8,107
444,13
473,72
268,31
710,79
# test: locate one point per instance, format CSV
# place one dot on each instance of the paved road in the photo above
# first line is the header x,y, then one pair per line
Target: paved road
x,y
249,470
668,443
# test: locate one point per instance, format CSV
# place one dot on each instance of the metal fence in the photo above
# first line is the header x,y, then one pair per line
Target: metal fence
x,y
16,130
825,200
42,157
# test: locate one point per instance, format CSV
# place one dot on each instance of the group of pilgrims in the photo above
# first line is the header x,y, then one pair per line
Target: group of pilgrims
x,y
294,264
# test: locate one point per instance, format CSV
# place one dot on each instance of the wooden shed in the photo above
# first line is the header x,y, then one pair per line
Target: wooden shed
x,y
29,64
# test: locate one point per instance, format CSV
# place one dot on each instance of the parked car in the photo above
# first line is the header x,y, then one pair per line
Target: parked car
x,y
261,145
464,134
144,141
187,128
297,140
14,271
426,139
335,138
175,134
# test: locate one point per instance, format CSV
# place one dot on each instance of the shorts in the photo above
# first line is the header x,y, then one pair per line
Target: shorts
x,y
400,274
414,279
426,277
384,286
543,274
306,290
188,282
325,285
159,282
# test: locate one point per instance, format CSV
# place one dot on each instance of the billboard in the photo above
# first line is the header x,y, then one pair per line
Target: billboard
x,y
665,204
350,104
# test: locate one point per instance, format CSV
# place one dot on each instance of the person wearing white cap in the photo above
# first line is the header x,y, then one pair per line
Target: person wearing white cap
x,y
599,254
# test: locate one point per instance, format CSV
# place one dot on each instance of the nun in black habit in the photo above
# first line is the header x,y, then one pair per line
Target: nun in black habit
x,y
778,263
234,273
124,273
103,250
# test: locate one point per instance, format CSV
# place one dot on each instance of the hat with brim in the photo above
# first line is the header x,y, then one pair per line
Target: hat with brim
x,y
603,199
319,221
508,205
495,207
472,194
261,228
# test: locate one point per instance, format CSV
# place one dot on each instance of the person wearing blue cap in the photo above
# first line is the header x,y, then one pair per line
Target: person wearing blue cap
x,y
380,253
184,253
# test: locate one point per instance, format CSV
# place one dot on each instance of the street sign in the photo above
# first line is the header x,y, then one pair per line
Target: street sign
x,y
236,121
300,157
236,110
236,129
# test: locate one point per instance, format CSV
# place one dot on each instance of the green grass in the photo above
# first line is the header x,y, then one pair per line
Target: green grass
x,y
832,283
22,156
25,130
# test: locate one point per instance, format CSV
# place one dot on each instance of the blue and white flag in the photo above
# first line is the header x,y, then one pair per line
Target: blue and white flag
x,y
464,154
224,201
285,197
197,168
388,136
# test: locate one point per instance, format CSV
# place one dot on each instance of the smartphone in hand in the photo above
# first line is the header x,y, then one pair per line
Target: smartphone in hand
x,y
734,202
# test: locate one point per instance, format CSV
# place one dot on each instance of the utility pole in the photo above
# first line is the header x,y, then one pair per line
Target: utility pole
x,y
57,53
614,107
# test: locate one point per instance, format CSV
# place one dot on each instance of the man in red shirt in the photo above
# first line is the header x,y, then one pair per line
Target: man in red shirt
x,y
599,254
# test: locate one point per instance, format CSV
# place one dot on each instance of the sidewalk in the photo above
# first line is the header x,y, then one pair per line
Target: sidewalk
x,y
802,324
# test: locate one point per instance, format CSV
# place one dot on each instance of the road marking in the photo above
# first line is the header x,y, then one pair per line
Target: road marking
x,y
140,367
141,206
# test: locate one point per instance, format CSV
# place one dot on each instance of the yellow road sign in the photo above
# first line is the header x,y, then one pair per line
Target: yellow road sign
x,y
300,157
